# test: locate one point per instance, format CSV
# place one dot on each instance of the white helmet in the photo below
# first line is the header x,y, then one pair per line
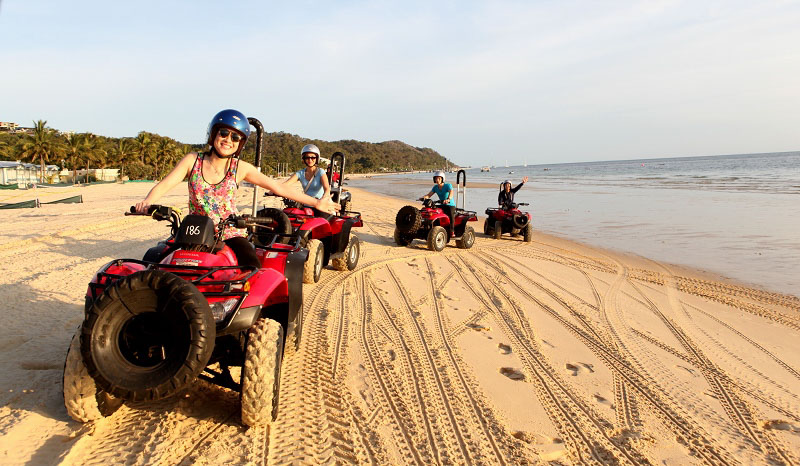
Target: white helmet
x,y
310,148
505,183
438,173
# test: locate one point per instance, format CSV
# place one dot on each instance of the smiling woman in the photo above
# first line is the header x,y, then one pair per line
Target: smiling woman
x,y
215,176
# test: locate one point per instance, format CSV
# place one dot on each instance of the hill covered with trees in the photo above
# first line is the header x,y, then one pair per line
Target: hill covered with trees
x,y
150,155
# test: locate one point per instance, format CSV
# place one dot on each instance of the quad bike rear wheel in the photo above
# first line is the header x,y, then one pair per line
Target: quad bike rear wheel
x,y
352,253
261,372
408,220
401,238
467,239
83,399
527,233
312,269
487,230
148,336
498,229
437,238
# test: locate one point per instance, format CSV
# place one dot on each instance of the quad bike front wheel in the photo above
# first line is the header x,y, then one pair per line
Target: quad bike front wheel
x,y
312,269
467,239
401,239
352,253
261,372
527,233
437,238
148,336
83,399
498,229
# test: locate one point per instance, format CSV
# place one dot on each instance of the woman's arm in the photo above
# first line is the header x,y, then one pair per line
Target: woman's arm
x,y
291,179
249,173
178,173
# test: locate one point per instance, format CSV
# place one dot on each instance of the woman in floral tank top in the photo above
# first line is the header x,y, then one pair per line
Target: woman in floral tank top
x,y
214,178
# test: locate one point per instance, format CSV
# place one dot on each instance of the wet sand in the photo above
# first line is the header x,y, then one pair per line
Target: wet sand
x,y
507,353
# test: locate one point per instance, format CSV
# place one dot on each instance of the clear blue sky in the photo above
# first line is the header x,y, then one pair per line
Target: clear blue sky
x,y
481,82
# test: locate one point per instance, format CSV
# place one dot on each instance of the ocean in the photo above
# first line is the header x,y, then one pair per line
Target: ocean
x,y
734,215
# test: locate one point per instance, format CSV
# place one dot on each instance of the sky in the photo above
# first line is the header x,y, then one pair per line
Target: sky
x,y
480,82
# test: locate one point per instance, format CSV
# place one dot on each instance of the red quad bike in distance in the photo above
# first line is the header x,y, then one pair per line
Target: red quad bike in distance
x,y
327,238
508,219
430,223
153,326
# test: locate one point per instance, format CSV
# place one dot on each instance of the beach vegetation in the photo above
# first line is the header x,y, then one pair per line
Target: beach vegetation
x,y
40,147
148,155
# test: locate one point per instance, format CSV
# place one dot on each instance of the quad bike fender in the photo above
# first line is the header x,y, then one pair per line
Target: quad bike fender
x,y
267,287
294,280
108,274
319,227
340,239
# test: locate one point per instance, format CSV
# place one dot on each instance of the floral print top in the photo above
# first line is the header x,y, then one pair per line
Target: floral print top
x,y
217,201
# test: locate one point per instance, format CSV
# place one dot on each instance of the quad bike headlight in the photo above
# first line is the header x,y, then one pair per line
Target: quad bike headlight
x,y
221,309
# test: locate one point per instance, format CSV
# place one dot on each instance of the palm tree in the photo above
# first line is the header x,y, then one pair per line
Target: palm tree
x,y
165,152
122,152
144,145
75,143
94,152
41,146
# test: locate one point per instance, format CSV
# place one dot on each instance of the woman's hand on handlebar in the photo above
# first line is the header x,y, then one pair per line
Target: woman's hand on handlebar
x,y
142,207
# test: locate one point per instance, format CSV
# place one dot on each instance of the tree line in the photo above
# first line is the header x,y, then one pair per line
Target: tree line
x,y
151,156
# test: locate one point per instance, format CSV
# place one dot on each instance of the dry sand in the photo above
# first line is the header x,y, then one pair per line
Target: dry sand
x,y
507,353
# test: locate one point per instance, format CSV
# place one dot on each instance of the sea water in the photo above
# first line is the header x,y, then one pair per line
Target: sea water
x,y
734,215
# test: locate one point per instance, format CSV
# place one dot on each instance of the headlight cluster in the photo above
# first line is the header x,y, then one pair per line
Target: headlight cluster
x,y
221,309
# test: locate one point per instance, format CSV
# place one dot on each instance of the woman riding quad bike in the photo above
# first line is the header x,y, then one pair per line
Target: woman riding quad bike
x,y
329,238
437,222
508,218
204,296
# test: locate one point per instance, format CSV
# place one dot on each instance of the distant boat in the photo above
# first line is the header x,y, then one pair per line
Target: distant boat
x,y
546,169
511,172
485,169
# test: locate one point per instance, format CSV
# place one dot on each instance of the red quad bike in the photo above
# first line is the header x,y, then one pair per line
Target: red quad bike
x,y
152,327
327,238
430,223
508,219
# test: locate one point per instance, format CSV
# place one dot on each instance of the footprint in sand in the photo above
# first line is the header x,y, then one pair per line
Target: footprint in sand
x,y
478,327
504,348
536,438
778,424
602,400
578,367
512,374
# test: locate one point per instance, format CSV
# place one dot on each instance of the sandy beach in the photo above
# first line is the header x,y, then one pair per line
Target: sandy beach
x,y
507,353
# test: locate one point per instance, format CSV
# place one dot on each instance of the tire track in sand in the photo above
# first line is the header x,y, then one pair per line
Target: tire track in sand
x,y
741,413
583,430
668,411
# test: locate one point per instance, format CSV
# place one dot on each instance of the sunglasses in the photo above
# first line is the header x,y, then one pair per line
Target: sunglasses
x,y
305,157
224,133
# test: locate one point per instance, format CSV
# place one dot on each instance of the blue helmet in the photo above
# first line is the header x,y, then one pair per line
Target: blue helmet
x,y
232,119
